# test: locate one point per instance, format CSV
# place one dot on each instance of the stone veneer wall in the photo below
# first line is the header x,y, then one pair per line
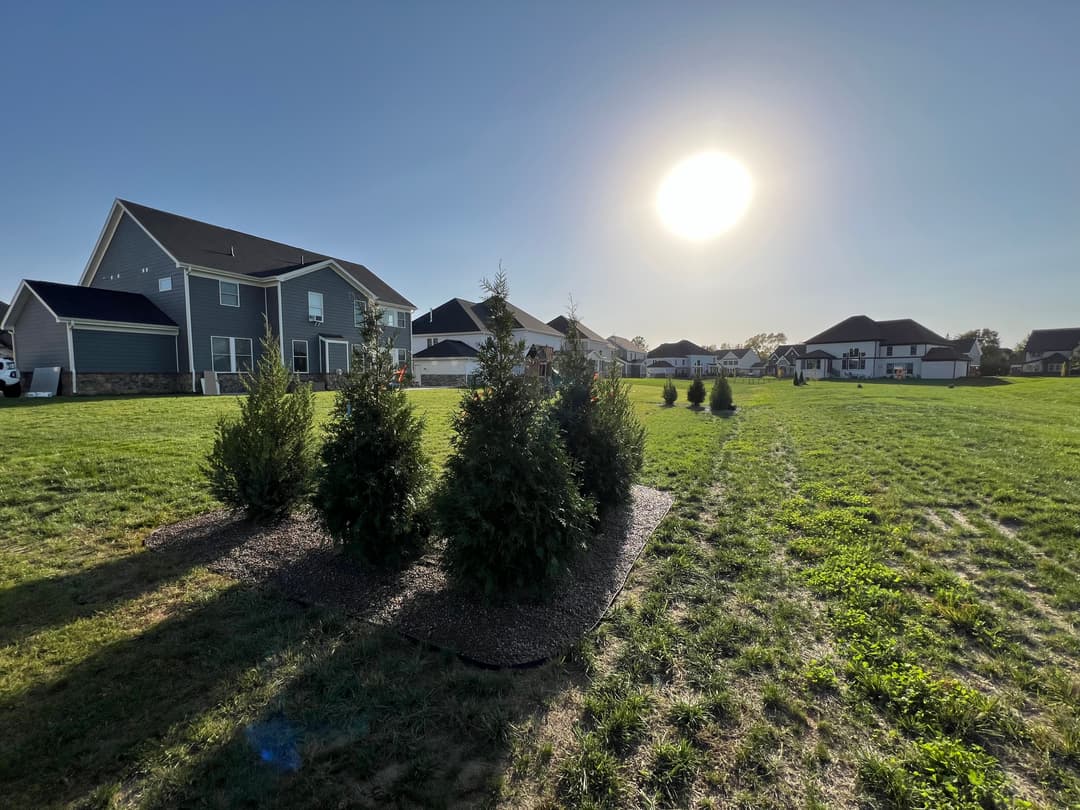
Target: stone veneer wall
x,y
105,383
444,380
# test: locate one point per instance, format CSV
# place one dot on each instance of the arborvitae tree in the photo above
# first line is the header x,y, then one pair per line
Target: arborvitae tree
x,y
695,395
795,379
598,423
372,477
720,398
509,503
263,461
670,392
802,378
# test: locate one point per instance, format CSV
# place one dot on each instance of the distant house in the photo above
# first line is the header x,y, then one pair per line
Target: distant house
x,y
631,355
862,347
165,298
5,336
463,324
1047,351
600,352
784,359
972,350
682,358
738,362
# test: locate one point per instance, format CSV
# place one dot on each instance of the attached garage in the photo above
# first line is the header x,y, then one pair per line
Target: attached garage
x,y
447,363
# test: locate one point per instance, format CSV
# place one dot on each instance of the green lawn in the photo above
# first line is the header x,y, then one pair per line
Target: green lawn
x,y
863,595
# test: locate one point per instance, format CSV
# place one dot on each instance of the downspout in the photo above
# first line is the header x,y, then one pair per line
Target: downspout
x,y
190,343
71,360
280,322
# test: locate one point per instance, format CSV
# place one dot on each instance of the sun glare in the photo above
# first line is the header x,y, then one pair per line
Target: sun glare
x,y
704,195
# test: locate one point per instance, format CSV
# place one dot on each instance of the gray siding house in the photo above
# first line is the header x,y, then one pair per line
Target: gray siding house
x,y
165,298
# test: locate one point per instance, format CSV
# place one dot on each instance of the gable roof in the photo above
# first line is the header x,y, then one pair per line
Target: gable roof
x,y
681,348
895,332
945,353
458,316
624,344
447,348
562,326
785,348
190,241
95,304
1053,340
964,345
661,364
740,352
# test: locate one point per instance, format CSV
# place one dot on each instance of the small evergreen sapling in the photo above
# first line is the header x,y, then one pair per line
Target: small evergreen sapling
x,y
509,503
371,482
670,392
695,395
720,398
263,461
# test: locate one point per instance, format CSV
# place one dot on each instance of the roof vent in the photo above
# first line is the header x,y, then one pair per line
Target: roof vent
x,y
232,250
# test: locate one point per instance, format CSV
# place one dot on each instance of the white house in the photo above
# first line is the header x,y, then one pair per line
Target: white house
x,y
445,340
737,362
862,347
600,352
680,359
972,349
631,355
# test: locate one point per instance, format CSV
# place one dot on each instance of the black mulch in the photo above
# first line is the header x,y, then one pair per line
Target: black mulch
x,y
297,558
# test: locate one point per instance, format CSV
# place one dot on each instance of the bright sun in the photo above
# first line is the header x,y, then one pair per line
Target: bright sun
x,y
704,195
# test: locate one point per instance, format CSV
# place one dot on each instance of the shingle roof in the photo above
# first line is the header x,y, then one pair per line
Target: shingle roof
x,y
740,353
963,345
681,348
95,304
447,348
1056,357
562,326
816,354
784,348
624,344
661,364
895,332
944,353
206,245
458,316
1053,340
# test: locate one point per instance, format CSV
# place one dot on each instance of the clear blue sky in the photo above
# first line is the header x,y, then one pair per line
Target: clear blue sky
x,y
910,162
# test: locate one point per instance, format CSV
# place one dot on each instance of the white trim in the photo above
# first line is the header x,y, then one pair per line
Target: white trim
x,y
307,355
167,278
217,275
15,299
326,352
280,323
71,361
176,348
222,303
190,342
120,326
337,268
322,307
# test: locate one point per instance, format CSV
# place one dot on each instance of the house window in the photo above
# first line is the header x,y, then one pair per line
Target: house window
x,y
432,341
914,349
888,351
228,293
315,307
389,317
164,284
300,356
810,365
853,359
403,320
1054,367
231,354
358,307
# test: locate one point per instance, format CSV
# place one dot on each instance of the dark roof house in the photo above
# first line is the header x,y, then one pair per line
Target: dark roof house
x,y
460,317
859,328
1044,341
680,348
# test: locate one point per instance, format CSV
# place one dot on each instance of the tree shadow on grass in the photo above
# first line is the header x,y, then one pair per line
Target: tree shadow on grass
x,y
32,606
64,738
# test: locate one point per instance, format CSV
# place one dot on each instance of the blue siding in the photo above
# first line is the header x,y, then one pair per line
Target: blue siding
x,y
210,319
338,297
123,352
39,339
134,263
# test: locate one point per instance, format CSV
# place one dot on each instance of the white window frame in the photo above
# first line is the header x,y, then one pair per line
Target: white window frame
x,y
402,319
322,306
359,305
431,342
233,354
164,284
221,289
306,356
389,317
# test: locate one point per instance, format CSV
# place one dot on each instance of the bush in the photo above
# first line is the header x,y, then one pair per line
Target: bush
x,y
696,393
670,393
509,502
263,461
598,424
720,398
371,480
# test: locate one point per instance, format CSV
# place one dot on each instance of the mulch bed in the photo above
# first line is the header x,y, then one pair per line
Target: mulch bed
x,y
418,601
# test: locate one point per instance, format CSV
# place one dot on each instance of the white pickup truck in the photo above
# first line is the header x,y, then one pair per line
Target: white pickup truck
x,y
10,380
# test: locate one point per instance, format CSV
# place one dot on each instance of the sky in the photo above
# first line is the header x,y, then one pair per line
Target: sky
x,y
909,160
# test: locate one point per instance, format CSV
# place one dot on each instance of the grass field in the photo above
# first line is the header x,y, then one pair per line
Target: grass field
x,y
864,596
